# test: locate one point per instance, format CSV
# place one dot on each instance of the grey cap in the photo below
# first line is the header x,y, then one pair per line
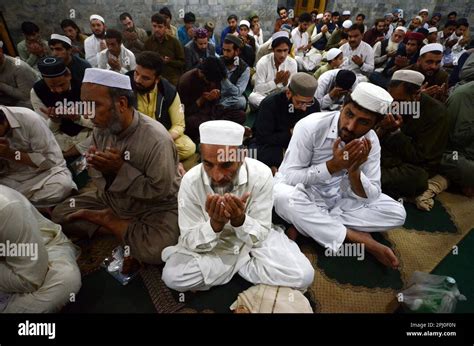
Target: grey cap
x,y
303,84
234,39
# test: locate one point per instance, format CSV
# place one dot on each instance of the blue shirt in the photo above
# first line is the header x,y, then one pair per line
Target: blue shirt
x,y
183,35
223,35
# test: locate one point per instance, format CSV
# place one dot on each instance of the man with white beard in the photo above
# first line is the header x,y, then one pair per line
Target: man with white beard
x,y
225,211
383,50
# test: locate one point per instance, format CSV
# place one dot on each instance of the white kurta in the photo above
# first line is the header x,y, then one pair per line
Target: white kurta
x,y
92,48
51,181
203,258
326,82
258,38
265,77
389,32
300,39
365,51
126,59
321,205
44,279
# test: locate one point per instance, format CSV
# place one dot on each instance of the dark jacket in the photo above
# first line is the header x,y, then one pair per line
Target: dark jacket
x,y
275,120
166,95
193,57
401,51
49,99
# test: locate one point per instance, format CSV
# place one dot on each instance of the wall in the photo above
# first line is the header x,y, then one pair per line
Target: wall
x,y
375,9
47,14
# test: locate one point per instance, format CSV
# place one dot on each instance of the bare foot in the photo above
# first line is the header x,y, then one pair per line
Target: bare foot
x,y
292,233
381,252
130,265
105,218
274,170
248,132
94,216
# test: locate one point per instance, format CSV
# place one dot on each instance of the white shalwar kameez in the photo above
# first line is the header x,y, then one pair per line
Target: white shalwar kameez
x,y
43,278
257,252
320,205
51,182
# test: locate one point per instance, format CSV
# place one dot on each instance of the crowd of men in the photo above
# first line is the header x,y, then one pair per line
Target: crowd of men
x,y
352,119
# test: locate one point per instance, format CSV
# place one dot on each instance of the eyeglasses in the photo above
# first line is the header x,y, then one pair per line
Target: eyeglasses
x,y
297,103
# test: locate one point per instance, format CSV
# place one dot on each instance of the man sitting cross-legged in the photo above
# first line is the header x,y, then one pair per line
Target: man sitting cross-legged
x,y
134,164
31,161
225,208
42,274
328,185
413,139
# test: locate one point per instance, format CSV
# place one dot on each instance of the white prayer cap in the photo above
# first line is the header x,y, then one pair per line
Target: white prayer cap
x,y
221,132
271,299
279,34
419,18
107,78
424,10
333,53
320,16
347,24
244,22
409,76
346,13
401,28
281,37
61,38
372,97
432,30
96,16
432,47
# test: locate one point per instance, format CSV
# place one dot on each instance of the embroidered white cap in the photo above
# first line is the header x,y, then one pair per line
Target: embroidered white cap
x,y
96,16
347,24
409,76
244,22
221,132
107,78
432,47
333,53
63,38
372,97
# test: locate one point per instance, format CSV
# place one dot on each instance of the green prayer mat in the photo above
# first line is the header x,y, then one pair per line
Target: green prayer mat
x,y
438,241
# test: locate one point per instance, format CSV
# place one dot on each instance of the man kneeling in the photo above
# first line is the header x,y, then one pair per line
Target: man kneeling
x,y
225,209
